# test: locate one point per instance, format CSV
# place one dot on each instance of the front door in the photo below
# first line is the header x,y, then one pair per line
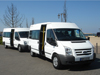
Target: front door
x,y
12,38
42,40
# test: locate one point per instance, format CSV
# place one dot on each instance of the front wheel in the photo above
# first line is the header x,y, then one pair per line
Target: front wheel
x,y
19,48
56,62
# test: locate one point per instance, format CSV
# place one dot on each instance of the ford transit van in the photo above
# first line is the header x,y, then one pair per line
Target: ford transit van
x,y
15,37
63,43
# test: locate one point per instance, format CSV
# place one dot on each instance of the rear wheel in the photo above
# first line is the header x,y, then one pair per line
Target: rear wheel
x,y
56,62
32,53
19,48
6,46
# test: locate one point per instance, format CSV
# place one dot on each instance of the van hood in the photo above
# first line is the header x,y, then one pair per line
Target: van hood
x,y
80,44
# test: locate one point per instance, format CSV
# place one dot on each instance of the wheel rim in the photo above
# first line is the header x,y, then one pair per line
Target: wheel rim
x,y
55,61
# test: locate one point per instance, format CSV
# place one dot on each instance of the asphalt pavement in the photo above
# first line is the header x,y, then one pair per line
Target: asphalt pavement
x,y
13,62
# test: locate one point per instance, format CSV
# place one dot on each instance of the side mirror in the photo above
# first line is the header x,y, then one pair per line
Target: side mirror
x,y
53,42
88,38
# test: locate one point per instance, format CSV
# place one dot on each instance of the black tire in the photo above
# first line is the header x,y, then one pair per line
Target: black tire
x,y
56,62
6,46
29,48
32,53
87,64
20,48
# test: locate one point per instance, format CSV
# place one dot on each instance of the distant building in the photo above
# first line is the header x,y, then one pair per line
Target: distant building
x,y
89,34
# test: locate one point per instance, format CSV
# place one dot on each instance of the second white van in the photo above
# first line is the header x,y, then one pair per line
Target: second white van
x,y
16,37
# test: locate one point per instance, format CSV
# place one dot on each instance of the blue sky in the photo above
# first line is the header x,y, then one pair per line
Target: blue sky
x,y
86,14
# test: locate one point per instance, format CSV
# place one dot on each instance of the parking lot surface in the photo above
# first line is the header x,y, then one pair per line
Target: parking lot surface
x,y
13,62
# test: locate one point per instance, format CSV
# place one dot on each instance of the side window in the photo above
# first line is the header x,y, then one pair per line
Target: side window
x,y
48,35
37,34
6,34
51,37
16,36
34,34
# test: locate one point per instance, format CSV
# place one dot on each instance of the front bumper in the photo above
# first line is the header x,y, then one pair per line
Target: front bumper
x,y
70,60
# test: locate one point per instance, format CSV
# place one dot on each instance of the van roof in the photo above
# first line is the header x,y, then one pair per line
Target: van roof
x,y
54,25
16,29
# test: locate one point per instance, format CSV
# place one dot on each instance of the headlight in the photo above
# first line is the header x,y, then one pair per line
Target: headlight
x,y
25,43
68,51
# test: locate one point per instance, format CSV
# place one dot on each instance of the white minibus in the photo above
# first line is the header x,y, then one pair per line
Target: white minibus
x,y
15,37
63,43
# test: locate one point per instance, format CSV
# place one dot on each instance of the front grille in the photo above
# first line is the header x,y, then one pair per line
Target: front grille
x,y
80,52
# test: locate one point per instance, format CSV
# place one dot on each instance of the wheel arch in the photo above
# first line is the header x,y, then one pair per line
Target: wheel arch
x,y
18,45
54,54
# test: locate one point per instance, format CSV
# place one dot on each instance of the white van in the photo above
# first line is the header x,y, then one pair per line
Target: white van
x,y
15,37
63,43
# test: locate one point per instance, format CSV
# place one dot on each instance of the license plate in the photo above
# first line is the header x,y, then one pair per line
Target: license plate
x,y
84,59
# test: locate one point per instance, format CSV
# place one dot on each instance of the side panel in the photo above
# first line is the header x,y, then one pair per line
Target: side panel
x,y
6,37
6,40
42,40
34,40
34,45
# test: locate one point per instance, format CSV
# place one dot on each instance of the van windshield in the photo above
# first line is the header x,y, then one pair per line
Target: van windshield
x,y
24,34
69,34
